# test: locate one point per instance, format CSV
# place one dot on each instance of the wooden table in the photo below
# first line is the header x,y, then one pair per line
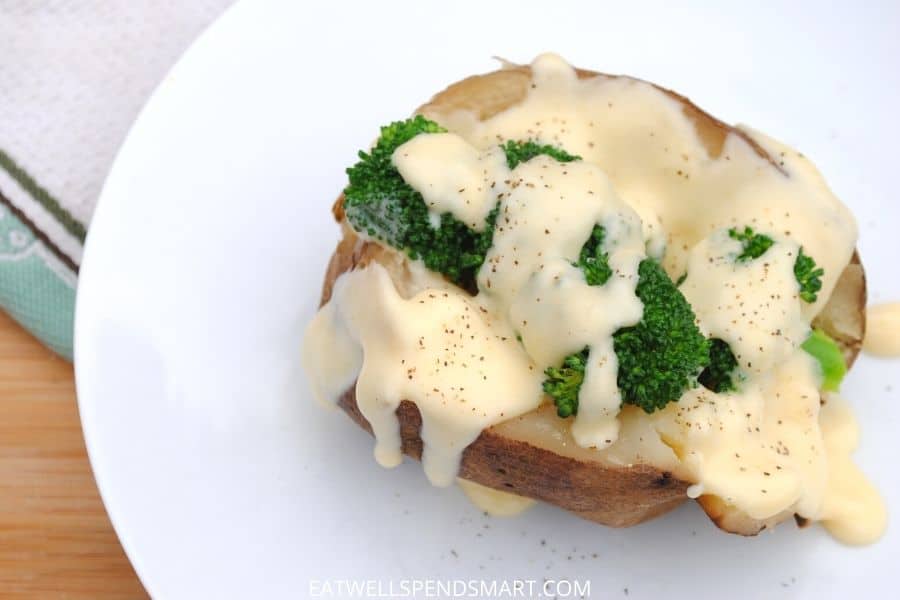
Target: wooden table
x,y
55,538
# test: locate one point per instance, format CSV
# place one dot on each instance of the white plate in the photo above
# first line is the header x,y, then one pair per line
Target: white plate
x,y
206,254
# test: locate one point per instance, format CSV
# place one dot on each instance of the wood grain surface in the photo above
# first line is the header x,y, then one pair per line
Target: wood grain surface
x,y
56,540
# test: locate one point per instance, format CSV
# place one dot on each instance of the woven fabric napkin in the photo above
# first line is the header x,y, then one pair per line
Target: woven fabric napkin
x,y
73,76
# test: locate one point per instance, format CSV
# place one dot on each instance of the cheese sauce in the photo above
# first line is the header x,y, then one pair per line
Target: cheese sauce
x,y
464,369
883,330
760,450
657,163
494,502
659,190
452,176
754,305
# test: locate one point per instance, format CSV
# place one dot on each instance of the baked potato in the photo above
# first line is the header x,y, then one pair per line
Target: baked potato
x,y
534,455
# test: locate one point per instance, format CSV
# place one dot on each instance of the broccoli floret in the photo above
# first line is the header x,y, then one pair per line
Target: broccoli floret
x,y
562,383
722,363
659,358
593,260
808,276
755,244
381,204
518,152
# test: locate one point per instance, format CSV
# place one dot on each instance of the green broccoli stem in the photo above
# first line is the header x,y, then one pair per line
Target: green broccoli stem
x,y
831,360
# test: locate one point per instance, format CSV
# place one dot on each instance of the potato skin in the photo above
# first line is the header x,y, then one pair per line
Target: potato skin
x,y
614,497
610,495
618,497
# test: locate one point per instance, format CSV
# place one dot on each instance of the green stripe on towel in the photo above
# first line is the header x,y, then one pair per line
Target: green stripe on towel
x,y
42,196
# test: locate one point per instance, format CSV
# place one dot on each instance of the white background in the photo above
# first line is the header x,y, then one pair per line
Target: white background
x,y
205,258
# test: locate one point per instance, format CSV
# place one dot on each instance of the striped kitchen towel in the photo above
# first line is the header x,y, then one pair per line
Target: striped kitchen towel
x,y
73,76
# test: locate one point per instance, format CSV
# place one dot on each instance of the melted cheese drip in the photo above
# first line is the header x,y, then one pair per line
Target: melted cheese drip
x,y
545,218
495,502
853,511
464,370
883,330
760,450
651,180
